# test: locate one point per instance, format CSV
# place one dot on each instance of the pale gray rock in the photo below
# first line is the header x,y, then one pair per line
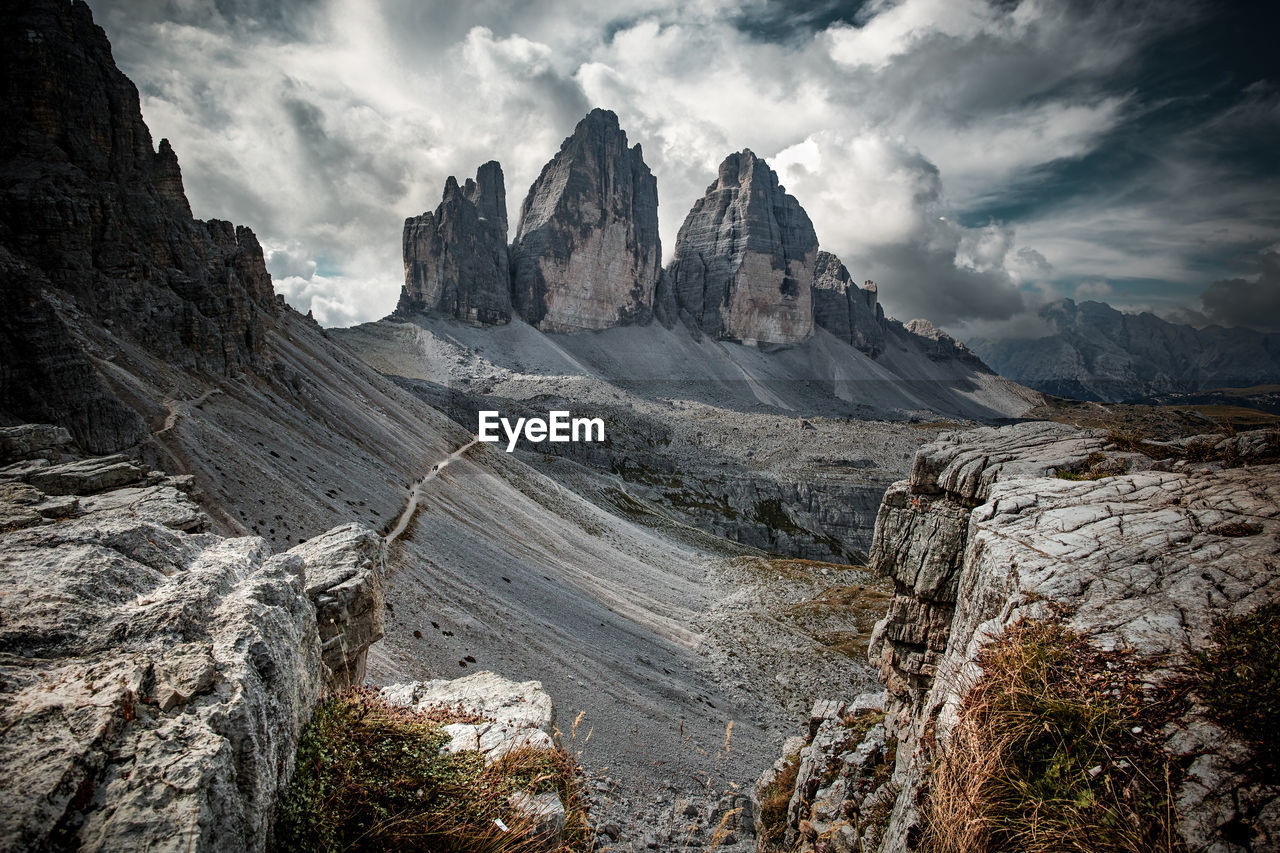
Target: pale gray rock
x,y
744,258
850,312
545,816
86,476
345,571
27,440
587,253
455,258
984,534
153,681
517,714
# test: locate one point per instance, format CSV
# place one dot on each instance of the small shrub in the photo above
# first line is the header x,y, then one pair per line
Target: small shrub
x,y
370,776
1238,678
1056,750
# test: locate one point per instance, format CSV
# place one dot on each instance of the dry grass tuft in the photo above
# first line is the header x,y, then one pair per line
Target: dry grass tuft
x,y
370,776
1238,678
1056,751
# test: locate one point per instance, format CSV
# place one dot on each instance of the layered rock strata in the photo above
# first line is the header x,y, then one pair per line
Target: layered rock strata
x,y
1043,521
587,253
455,258
1146,558
154,677
744,258
847,310
94,221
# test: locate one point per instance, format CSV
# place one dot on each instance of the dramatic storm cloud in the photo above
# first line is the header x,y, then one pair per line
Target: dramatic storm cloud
x,y
975,158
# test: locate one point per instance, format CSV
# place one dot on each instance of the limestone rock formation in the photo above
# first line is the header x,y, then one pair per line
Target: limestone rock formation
x,y
455,259
849,312
1145,558
587,253
518,714
94,222
154,677
744,258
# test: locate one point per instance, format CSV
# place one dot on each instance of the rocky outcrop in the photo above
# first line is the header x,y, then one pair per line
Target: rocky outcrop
x,y
744,258
154,677
846,310
587,253
1095,352
516,714
1141,555
94,225
455,259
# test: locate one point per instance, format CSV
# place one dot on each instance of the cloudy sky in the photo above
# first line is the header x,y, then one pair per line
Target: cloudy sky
x,y
974,157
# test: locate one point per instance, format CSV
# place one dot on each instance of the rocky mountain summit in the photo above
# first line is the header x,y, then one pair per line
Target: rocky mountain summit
x,y
744,259
1095,352
1000,530
455,258
850,312
586,253
94,222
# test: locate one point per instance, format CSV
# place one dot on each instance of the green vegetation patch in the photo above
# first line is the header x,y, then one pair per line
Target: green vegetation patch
x,y
1238,678
370,777
1057,749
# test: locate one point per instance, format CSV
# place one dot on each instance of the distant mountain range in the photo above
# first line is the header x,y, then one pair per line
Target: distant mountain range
x,y
1098,353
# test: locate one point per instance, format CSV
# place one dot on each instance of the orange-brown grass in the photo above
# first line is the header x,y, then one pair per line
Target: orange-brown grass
x,y
370,776
1056,751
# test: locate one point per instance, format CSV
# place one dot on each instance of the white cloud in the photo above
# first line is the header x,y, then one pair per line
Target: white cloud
x,y
323,125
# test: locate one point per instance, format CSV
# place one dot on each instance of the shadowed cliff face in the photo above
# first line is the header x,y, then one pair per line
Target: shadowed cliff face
x,y
587,253
94,222
455,259
744,259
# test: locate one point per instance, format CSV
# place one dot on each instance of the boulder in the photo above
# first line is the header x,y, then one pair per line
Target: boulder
x,y
517,714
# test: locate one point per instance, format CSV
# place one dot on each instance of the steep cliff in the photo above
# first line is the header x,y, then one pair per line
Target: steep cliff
x,y
849,312
94,222
1118,564
455,258
587,253
744,259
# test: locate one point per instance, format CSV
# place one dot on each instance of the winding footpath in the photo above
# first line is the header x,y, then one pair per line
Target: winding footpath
x,y
416,494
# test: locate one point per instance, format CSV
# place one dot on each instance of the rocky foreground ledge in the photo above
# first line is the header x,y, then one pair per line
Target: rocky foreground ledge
x,y
1141,554
154,677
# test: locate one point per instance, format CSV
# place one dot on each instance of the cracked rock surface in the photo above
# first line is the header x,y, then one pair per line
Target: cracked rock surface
x,y
153,676
1148,558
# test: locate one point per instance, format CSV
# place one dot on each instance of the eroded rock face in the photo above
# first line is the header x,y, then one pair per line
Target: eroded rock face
x,y
744,258
850,312
983,534
455,258
587,253
154,677
94,221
